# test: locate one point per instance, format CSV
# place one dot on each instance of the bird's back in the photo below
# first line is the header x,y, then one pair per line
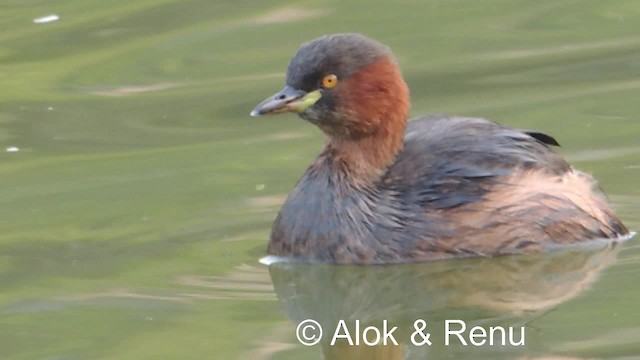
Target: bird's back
x,y
495,190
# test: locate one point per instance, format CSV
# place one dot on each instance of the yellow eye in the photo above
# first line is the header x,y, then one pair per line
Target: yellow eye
x,y
329,81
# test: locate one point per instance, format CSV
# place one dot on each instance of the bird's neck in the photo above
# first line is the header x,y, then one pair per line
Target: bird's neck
x,y
371,133
364,160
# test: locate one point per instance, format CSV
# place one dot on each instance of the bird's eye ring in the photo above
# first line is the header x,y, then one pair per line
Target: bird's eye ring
x,y
329,81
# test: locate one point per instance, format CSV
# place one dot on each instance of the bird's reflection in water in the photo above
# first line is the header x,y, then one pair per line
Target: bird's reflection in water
x,y
509,291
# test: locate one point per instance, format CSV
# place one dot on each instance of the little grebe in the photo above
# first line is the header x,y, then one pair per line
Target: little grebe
x,y
384,190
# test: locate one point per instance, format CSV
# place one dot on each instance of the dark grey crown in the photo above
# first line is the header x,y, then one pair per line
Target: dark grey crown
x,y
339,54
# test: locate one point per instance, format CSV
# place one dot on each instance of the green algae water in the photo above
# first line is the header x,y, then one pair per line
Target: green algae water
x,y
136,193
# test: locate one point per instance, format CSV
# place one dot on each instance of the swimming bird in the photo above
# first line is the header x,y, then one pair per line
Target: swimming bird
x,y
387,190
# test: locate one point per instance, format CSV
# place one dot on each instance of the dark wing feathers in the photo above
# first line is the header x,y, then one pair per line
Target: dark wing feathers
x,y
461,158
542,137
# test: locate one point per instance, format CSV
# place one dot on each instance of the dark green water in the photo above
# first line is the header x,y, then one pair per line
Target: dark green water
x,y
141,196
